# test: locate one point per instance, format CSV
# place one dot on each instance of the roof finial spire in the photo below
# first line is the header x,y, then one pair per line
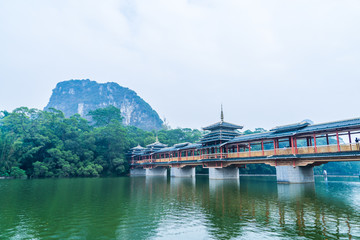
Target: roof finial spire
x,y
222,114
157,139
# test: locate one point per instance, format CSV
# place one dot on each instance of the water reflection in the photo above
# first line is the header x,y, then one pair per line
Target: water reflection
x,y
177,208
295,191
182,183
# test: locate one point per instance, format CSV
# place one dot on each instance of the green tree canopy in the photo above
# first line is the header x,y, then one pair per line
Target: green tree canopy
x,y
103,116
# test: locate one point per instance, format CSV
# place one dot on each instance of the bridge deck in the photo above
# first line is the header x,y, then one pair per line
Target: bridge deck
x,y
345,152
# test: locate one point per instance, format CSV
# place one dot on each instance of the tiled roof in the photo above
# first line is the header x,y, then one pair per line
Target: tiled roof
x,y
299,129
222,124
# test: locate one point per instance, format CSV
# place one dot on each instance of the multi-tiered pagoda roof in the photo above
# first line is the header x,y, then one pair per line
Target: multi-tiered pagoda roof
x,y
220,132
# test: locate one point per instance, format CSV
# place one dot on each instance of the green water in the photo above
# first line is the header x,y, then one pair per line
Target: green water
x,y
173,208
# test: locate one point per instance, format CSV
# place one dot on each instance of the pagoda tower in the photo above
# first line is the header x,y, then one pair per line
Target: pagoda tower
x,y
220,133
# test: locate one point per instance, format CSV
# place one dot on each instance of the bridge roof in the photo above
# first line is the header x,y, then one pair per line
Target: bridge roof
x,y
299,129
167,149
333,126
176,148
290,127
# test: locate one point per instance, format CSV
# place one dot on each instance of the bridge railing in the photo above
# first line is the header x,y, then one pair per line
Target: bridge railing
x,y
350,147
306,150
278,151
214,156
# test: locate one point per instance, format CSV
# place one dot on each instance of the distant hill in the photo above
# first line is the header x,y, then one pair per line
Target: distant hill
x,y
82,96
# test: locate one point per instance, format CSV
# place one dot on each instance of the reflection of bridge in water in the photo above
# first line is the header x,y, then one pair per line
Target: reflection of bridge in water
x,y
293,149
256,208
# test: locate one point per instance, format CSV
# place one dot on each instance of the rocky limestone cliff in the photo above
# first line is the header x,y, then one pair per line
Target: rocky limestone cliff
x,y
82,96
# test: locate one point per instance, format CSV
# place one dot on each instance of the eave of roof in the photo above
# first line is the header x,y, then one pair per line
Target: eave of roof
x,y
222,124
323,127
138,147
289,127
174,149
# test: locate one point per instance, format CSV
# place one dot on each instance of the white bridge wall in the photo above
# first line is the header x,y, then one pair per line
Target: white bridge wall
x,y
182,172
224,173
159,171
290,174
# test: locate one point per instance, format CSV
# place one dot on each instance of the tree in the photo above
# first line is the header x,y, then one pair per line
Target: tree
x,y
104,116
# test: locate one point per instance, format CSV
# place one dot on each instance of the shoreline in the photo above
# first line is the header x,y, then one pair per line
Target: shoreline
x,y
274,175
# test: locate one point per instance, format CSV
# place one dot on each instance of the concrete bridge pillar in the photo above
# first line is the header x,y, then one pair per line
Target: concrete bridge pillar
x,y
159,171
137,172
290,174
224,173
182,172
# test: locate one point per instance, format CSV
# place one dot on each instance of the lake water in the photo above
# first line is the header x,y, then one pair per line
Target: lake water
x,y
174,208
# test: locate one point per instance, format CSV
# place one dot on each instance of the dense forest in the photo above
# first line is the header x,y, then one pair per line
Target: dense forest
x,y
35,144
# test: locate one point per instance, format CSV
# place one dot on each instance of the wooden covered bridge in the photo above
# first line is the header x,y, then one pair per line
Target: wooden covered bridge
x,y
293,149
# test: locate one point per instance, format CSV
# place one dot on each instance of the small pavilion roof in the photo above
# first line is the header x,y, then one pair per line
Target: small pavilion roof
x,y
138,147
191,146
176,148
181,145
157,144
166,149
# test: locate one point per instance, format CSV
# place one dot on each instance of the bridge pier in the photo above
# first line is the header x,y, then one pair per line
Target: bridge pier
x,y
137,172
290,174
159,171
224,173
182,172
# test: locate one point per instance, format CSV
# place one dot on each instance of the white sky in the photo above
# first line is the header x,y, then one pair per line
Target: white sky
x,y
269,62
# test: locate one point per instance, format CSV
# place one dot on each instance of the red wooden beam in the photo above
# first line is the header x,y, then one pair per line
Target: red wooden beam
x,y
292,145
262,147
249,150
337,140
274,147
315,143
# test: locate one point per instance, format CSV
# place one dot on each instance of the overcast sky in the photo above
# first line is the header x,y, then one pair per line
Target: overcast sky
x,y
268,62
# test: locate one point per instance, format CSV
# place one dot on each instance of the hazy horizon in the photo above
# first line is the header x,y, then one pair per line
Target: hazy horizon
x,y
268,63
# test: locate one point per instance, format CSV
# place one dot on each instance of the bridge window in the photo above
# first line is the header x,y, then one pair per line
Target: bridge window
x,y
284,143
255,146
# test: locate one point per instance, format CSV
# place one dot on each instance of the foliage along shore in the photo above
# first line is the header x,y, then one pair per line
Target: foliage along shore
x,y
39,144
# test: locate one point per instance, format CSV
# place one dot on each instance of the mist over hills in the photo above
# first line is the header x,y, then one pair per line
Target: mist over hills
x,y
82,96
